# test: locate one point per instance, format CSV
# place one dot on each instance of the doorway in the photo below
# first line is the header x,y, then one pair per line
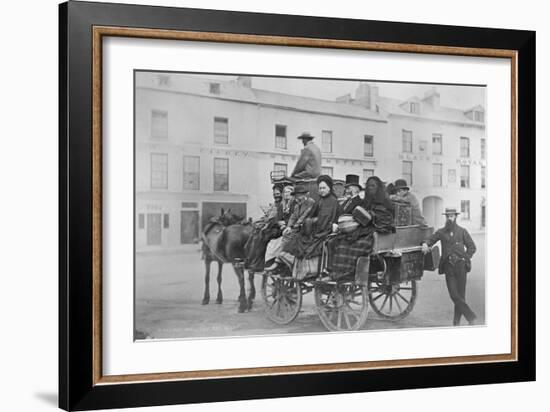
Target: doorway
x,y
189,227
432,209
154,230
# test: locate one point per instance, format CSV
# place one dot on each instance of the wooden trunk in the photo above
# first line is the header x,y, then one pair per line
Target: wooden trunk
x,y
402,213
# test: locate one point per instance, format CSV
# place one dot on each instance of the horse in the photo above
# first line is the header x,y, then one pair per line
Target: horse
x,y
223,241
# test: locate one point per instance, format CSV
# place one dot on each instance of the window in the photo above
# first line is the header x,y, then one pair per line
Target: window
x,y
408,172
482,148
483,177
191,172
407,141
221,130
221,174
465,209
367,173
438,174
327,170
326,141
464,147
166,221
141,221
159,124
414,108
280,167
479,116
368,145
215,88
159,171
464,176
437,144
280,136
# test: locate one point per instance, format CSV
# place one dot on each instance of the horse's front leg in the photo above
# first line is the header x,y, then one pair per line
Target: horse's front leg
x,y
219,298
252,292
206,297
243,305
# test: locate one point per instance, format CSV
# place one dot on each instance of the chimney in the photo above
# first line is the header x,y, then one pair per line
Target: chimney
x,y
366,95
374,97
432,98
245,81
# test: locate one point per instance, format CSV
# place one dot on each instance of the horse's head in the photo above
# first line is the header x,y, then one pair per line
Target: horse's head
x,y
227,218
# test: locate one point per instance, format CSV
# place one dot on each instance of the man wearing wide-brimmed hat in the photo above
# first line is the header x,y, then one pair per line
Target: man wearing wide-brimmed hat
x,y
402,193
309,162
457,251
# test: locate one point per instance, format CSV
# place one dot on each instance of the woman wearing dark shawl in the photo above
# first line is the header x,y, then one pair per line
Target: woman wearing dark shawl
x,y
318,225
346,249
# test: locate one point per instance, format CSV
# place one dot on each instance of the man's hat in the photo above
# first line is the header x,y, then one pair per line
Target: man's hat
x,y
450,211
300,188
400,184
352,180
306,136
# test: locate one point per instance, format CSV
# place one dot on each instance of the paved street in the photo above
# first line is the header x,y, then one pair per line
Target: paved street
x,y
169,290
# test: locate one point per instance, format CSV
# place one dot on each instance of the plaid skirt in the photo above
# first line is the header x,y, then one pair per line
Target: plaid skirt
x,y
346,252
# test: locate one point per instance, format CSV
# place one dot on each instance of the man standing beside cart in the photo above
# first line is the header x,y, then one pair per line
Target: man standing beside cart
x,y
457,251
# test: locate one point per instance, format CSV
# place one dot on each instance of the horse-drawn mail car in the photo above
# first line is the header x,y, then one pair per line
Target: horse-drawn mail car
x,y
386,280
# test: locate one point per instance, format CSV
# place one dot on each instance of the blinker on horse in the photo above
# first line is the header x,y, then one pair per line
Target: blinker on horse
x,y
223,241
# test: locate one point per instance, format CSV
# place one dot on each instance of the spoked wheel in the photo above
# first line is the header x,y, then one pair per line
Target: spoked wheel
x,y
342,306
392,301
282,297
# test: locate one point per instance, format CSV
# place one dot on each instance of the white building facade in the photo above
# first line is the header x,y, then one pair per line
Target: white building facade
x,y
202,145
441,153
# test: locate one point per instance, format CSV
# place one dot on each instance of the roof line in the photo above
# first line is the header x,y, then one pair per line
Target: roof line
x,y
432,119
265,104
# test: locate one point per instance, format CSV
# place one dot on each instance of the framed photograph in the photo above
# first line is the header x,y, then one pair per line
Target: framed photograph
x,y
257,206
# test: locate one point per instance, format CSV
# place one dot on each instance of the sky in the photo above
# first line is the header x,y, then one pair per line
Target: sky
x,y
456,96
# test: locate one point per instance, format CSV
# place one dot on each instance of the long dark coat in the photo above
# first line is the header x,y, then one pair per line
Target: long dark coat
x,y
349,204
457,242
265,229
323,214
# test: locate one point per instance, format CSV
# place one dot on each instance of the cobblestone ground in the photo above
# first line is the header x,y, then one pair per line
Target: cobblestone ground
x,y
169,291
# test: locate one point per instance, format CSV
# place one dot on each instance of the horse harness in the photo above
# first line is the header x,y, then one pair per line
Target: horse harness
x,y
237,262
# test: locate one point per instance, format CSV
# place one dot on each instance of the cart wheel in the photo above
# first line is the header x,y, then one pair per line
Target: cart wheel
x,y
282,297
342,306
392,301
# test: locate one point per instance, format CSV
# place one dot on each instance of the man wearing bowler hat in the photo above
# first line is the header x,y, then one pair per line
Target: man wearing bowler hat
x,y
457,251
401,193
309,162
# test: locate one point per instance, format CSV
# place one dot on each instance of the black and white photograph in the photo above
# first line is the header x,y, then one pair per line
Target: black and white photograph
x,y
282,205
